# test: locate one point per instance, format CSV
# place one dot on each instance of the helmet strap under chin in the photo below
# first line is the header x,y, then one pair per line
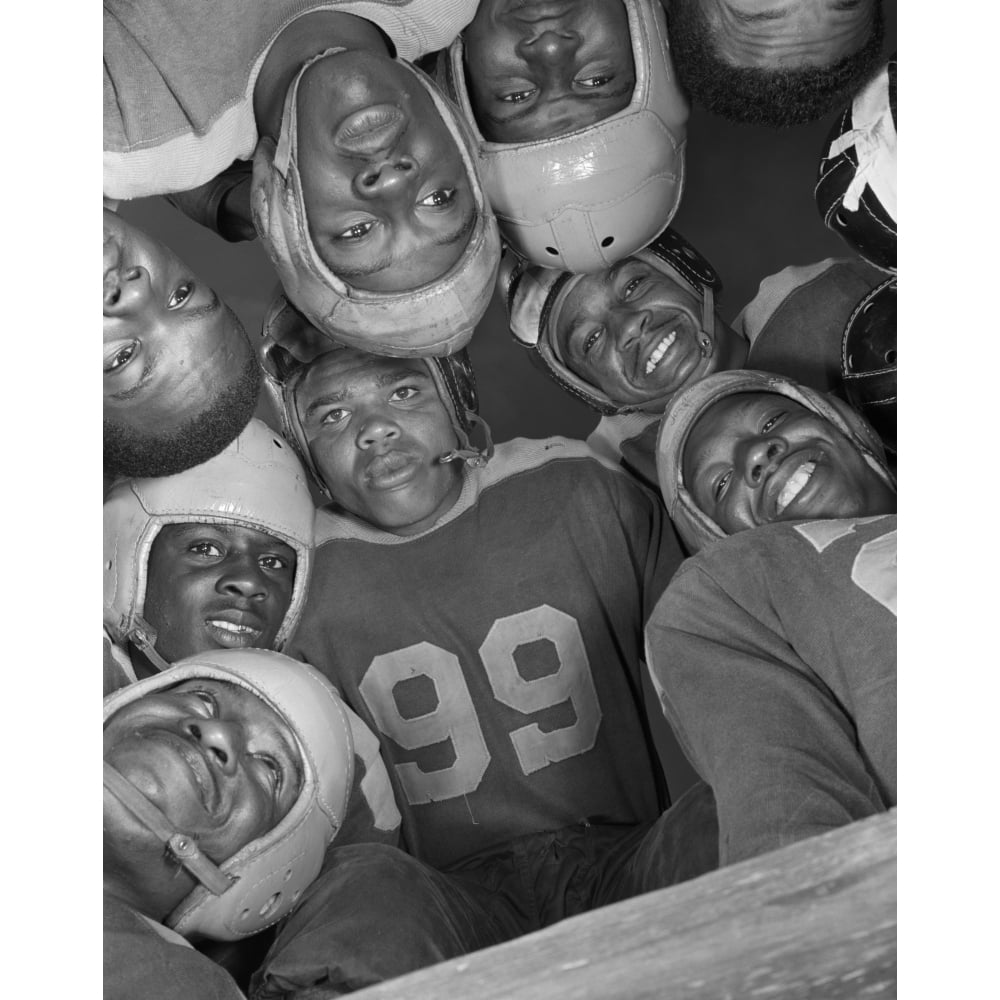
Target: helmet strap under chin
x,y
143,636
474,457
180,847
706,336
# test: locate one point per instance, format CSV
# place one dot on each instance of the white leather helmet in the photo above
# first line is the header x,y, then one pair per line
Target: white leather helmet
x,y
584,200
438,318
255,482
694,526
261,882
534,295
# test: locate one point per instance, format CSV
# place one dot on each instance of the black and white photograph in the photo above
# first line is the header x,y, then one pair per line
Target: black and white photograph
x,y
500,499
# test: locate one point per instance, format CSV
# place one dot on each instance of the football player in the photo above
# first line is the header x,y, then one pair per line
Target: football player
x,y
180,377
627,339
483,612
365,189
579,121
774,64
216,557
226,778
745,448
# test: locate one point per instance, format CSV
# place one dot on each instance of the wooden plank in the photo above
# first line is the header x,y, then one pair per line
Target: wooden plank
x,y
816,919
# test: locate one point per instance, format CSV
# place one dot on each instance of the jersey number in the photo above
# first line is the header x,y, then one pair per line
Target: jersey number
x,y
874,569
453,717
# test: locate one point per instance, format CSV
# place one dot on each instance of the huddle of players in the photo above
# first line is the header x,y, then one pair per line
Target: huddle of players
x,y
478,609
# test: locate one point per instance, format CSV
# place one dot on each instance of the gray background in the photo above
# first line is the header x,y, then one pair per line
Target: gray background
x,y
747,206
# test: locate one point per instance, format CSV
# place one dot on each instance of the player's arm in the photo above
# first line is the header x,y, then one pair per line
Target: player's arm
x,y
759,725
221,204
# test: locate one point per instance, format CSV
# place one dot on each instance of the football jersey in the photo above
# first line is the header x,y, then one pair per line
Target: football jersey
x,y
774,655
497,654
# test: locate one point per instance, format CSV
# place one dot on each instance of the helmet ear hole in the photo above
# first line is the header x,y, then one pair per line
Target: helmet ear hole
x,y
607,241
552,250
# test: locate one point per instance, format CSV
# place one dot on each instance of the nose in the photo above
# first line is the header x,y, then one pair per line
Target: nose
x,y
631,325
761,455
242,577
549,48
222,741
125,289
377,430
385,177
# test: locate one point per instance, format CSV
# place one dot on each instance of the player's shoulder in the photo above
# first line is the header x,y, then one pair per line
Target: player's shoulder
x,y
556,463
796,547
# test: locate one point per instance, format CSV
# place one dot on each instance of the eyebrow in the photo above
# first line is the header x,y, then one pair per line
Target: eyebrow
x,y
384,263
386,378
595,95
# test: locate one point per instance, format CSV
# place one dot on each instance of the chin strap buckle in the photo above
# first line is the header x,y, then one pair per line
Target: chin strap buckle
x,y
143,635
181,847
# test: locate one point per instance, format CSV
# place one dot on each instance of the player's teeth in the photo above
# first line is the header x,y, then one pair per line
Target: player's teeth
x,y
661,348
795,484
230,627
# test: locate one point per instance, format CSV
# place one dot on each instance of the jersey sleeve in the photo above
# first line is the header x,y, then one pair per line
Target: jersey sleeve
x,y
138,962
759,725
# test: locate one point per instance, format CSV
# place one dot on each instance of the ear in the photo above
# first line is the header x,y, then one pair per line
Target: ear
x,y
260,190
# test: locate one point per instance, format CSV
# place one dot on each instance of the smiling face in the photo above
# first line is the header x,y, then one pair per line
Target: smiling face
x,y
376,430
169,342
385,187
541,68
216,586
221,764
758,457
635,333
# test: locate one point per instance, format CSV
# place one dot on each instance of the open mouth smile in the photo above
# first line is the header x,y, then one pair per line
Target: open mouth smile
x,y
660,351
794,484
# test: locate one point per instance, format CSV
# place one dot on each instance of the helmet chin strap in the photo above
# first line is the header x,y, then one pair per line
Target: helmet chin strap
x,y
143,635
180,847
467,453
706,338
